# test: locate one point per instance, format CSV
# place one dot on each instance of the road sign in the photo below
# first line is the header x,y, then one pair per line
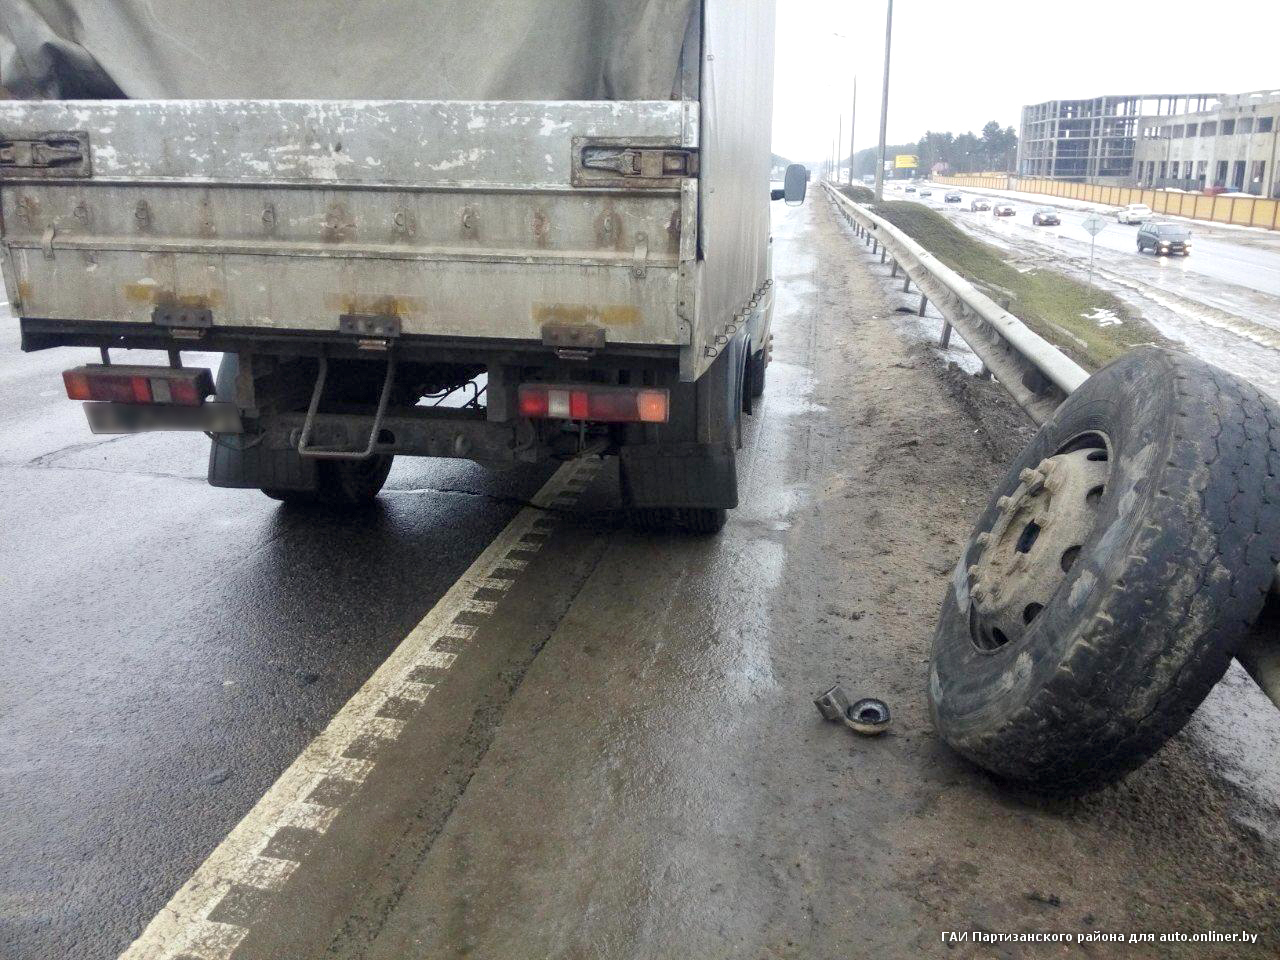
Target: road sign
x,y
1093,224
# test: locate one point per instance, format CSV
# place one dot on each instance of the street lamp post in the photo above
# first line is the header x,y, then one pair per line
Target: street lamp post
x,y
884,102
853,116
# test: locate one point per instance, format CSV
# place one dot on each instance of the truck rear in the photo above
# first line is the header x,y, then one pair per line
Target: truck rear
x,y
505,280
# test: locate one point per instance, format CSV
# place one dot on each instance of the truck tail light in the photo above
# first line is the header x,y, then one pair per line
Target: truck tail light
x,y
182,386
541,401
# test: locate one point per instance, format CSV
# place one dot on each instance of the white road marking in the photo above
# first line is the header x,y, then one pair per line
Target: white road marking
x,y
184,927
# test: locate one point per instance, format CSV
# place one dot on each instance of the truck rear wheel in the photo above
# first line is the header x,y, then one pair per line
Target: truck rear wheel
x,y
341,483
680,519
1112,575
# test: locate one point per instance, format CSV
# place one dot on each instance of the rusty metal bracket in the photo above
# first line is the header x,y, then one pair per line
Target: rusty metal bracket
x,y
187,318
384,325
63,153
573,341
652,163
867,716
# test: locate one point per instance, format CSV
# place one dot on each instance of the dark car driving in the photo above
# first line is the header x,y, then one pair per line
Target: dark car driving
x,y
1162,238
952,198
1046,217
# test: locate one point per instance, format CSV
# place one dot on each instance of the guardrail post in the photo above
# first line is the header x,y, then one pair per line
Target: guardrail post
x,y
946,334
924,302
894,271
906,284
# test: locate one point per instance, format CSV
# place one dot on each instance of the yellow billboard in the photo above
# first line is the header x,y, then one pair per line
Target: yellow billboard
x,y
906,161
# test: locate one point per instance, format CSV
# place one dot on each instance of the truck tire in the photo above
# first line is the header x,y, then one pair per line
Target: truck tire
x,y
341,483
702,520
1112,574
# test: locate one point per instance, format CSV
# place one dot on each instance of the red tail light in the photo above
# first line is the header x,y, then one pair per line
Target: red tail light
x,y
183,386
542,401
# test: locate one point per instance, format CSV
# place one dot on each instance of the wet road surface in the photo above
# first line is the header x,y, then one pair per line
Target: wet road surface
x,y
1220,260
170,648
1220,302
592,742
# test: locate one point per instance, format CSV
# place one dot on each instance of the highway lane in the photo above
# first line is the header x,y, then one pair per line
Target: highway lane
x,y
1240,274
618,756
170,648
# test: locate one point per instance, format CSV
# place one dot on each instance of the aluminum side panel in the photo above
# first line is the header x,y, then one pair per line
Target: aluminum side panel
x,y
460,218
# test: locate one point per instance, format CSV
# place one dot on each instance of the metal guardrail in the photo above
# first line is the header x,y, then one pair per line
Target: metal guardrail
x,y
1035,373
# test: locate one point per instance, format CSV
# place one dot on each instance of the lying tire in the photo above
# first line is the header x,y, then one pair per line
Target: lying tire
x,y
1112,574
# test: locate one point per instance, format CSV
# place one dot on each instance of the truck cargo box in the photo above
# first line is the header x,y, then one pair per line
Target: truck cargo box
x,y
643,222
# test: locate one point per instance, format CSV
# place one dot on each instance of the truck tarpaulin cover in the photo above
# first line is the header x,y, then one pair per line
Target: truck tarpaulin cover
x,y
348,49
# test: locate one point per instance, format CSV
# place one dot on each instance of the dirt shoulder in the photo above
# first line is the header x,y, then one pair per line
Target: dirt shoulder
x,y
660,784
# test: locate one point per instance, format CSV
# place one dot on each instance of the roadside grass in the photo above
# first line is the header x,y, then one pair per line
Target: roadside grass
x,y
858,194
1059,308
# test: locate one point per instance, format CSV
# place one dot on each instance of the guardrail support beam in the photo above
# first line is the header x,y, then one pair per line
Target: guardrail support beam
x,y
945,343
906,284
894,271
924,302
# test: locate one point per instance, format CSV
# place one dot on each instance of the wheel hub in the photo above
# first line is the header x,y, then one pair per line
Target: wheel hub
x,y
1036,538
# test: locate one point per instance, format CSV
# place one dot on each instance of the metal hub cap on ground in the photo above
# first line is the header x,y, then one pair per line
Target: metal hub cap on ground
x,y
1034,542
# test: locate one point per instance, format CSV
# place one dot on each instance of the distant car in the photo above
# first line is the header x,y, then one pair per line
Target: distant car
x,y
911,189
980,203
1134,213
1004,210
1046,217
952,198
926,192
1163,238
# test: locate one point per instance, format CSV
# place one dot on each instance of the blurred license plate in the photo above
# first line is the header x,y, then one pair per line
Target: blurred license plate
x,y
141,418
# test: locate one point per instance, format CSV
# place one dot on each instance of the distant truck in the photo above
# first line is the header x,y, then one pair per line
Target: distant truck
x,y
419,235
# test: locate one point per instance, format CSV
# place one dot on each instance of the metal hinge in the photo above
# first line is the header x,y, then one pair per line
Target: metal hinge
x,y
573,341
60,154
631,162
375,331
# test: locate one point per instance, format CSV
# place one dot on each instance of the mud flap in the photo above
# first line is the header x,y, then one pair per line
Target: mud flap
x,y
680,475
236,461
243,461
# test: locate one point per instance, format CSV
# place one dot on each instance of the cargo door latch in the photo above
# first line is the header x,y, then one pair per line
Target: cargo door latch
x,y
63,154
634,162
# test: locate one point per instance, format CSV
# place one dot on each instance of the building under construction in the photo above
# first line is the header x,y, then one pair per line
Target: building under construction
x,y
1094,140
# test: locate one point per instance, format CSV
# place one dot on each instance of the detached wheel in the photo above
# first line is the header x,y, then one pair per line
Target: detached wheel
x,y
341,483
1108,581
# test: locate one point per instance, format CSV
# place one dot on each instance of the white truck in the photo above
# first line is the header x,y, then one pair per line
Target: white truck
x,y
505,230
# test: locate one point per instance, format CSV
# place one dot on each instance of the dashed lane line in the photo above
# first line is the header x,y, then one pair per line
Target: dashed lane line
x,y
204,918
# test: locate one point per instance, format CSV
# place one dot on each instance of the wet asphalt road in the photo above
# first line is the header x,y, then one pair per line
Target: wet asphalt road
x,y
170,648
1225,268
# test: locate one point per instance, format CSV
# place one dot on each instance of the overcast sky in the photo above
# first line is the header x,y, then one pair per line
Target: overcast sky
x,y
958,64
